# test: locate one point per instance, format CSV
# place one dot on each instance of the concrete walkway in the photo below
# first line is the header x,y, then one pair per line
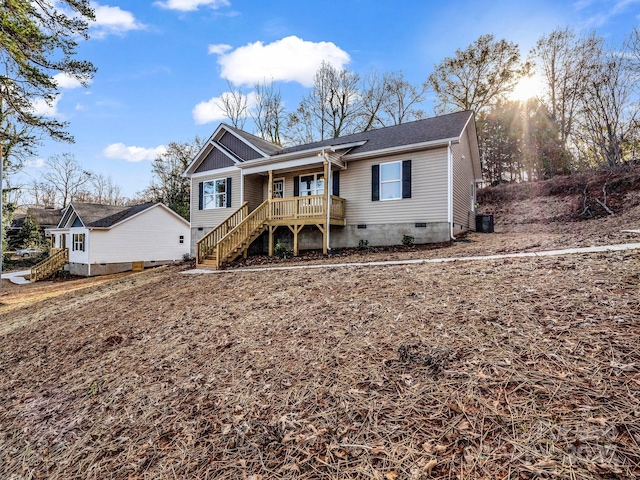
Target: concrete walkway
x,y
545,253
18,277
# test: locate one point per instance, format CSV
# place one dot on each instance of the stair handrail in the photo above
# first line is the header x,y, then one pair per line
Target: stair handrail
x,y
242,231
50,265
206,244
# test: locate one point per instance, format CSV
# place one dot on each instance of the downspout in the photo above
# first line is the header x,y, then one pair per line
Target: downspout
x,y
450,190
329,185
87,246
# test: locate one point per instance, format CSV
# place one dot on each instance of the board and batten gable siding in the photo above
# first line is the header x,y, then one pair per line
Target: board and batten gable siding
x,y
237,146
428,202
212,217
215,159
152,235
463,187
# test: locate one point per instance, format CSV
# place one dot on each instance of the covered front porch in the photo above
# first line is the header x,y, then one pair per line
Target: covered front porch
x,y
296,196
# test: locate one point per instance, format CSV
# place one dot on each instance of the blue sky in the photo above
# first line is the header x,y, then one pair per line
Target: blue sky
x,y
161,64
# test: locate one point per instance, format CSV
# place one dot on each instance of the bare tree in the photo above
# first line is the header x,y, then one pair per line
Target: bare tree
x,y
104,190
403,99
234,104
44,194
477,77
268,112
567,64
375,95
333,107
610,110
66,176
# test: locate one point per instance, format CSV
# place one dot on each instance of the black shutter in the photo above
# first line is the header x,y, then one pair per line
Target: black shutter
x,y
296,186
406,179
336,183
200,191
228,192
375,183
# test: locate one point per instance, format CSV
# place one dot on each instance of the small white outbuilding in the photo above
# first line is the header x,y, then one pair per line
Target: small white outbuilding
x,y
104,239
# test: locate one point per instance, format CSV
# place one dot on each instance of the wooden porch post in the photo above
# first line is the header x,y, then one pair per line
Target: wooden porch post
x,y
271,240
325,233
270,189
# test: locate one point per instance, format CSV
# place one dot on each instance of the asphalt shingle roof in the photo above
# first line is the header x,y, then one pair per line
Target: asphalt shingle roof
x,y
419,131
105,216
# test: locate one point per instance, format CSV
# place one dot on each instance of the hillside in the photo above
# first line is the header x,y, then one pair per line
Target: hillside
x,y
505,368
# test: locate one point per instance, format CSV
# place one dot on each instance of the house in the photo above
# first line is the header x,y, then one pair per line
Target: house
x,y
416,179
46,217
101,239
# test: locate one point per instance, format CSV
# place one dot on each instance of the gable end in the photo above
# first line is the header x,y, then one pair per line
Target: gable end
x,y
238,147
214,160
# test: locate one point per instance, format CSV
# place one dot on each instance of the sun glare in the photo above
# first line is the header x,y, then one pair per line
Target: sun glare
x,y
527,87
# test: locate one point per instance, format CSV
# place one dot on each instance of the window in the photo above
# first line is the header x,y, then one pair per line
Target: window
x,y
181,238
390,181
78,242
312,184
214,194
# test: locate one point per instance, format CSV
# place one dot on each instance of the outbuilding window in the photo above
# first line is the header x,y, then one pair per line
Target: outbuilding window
x,y
78,242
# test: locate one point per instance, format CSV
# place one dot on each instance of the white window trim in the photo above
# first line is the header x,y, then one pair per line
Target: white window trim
x,y
391,181
214,194
315,183
81,242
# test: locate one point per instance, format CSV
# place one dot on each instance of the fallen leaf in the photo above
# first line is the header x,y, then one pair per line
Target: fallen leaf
x,y
429,466
392,475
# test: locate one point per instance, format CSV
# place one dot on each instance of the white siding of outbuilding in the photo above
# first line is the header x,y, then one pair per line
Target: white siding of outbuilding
x,y
78,256
153,235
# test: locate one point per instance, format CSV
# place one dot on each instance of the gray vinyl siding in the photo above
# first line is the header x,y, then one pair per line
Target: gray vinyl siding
x,y
463,183
215,159
428,202
237,146
253,186
213,217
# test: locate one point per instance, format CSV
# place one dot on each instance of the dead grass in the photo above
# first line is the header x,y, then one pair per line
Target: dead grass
x,y
513,369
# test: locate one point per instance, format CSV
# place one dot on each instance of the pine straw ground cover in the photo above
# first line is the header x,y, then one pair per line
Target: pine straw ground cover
x,y
519,368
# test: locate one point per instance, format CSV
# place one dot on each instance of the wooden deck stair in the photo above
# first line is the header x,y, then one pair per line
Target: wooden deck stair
x,y
234,236
58,258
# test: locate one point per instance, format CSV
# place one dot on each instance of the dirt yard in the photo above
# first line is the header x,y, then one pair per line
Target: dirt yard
x,y
515,368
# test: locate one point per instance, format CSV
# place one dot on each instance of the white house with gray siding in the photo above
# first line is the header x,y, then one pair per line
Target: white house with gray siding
x,y
417,179
104,239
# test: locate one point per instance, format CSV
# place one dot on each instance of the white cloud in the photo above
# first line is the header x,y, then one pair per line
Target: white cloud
x,y
40,107
191,5
219,48
66,81
290,60
119,151
35,163
113,20
211,111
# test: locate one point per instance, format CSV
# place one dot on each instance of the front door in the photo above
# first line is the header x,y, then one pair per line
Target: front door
x,y
278,188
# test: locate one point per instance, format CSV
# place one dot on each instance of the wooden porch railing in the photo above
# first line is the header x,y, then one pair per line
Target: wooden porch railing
x,y
293,208
57,259
206,245
240,234
235,234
